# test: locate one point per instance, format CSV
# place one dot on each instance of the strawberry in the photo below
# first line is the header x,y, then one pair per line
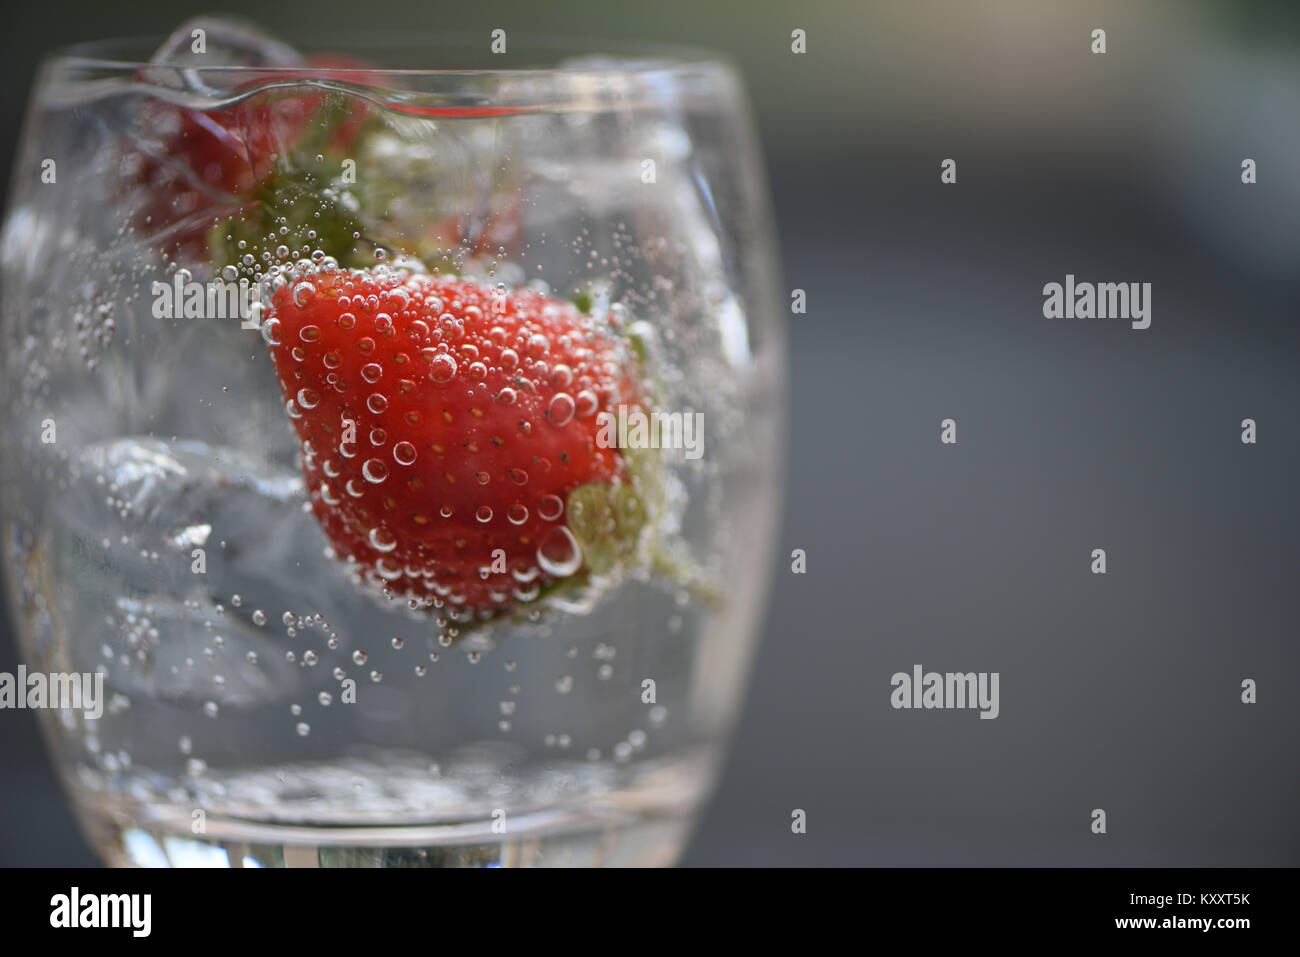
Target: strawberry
x,y
219,184
217,160
450,433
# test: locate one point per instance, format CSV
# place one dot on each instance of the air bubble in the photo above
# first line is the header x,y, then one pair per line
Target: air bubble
x,y
550,507
442,369
404,453
561,409
559,554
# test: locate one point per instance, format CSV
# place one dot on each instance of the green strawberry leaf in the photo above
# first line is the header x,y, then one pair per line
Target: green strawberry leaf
x,y
606,520
292,210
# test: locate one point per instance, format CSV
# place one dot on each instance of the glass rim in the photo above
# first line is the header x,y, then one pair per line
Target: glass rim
x,y
572,56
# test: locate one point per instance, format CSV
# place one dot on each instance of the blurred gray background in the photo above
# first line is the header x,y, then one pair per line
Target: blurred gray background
x,y
1119,691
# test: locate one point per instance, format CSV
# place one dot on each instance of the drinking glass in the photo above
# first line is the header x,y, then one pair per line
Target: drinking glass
x,y
158,530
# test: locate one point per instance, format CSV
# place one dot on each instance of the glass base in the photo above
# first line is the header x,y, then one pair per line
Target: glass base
x,y
537,840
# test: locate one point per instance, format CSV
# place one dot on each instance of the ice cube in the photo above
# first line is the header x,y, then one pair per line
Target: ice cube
x,y
223,41
150,537
186,57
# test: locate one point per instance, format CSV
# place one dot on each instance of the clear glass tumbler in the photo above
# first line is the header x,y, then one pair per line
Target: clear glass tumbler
x,y
274,695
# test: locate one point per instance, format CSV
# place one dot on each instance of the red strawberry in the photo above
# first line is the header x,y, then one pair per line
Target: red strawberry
x,y
444,427
219,158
